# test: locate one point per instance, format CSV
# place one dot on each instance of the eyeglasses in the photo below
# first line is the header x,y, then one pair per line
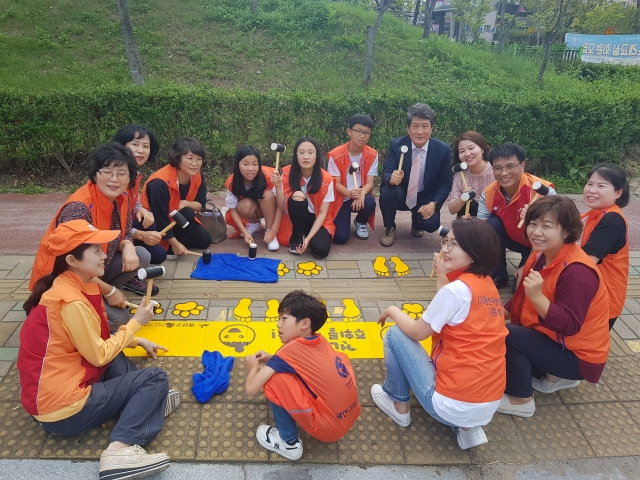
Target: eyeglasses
x,y
361,133
449,244
509,168
108,174
193,160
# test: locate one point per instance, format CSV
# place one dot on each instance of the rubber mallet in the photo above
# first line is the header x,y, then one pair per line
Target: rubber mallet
x,y
467,197
353,168
206,256
459,168
178,219
278,148
133,305
149,274
443,232
403,149
541,191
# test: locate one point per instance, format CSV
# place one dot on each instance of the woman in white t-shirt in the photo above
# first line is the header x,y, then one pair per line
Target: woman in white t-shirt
x,y
461,384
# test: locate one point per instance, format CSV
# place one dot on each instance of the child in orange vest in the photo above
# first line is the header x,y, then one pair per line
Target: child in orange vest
x,y
251,196
306,381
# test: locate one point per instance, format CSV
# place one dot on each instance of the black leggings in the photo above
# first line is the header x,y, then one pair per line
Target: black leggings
x,y
195,235
302,220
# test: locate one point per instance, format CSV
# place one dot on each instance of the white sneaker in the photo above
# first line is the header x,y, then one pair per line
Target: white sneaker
x,y
385,403
362,231
545,386
270,438
273,245
173,400
131,462
527,410
253,228
471,438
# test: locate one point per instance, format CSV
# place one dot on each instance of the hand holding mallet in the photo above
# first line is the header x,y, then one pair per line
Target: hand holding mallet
x,y
460,168
206,256
541,191
443,232
178,219
467,197
278,148
149,274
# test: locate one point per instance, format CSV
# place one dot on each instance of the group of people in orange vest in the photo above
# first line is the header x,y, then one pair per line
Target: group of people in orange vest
x,y
569,288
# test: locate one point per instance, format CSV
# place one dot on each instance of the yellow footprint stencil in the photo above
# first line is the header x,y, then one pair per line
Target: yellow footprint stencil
x,y
309,268
380,266
282,270
156,310
414,310
242,312
272,311
187,309
402,268
351,312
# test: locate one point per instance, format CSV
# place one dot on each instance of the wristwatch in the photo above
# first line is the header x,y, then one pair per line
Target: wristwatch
x,y
437,205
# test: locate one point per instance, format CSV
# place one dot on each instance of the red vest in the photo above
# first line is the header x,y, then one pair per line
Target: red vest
x,y
510,214
615,266
342,160
284,233
322,398
591,343
267,171
470,358
101,210
134,193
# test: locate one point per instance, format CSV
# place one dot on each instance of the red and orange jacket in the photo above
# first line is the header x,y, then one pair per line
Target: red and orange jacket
x,y
267,171
134,193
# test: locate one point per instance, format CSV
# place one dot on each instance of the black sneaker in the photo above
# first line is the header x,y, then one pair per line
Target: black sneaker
x,y
139,287
500,281
294,242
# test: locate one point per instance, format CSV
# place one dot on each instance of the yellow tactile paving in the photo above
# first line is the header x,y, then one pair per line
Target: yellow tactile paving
x,y
179,436
622,375
20,435
506,443
87,445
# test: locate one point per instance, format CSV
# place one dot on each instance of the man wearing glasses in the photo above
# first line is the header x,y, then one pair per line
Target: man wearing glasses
x,y
502,201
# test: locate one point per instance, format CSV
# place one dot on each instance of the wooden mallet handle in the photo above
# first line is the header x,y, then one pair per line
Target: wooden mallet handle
x,y
167,228
460,168
403,149
278,148
464,181
149,289
193,253
467,197
541,190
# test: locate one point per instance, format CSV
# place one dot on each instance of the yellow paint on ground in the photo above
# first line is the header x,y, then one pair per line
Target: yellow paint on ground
x,y
380,267
634,345
401,268
190,339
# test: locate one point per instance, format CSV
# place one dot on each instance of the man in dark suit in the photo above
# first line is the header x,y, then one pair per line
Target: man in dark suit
x,y
423,183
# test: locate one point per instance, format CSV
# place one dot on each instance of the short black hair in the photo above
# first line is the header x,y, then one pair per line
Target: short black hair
x,y
112,154
564,211
184,145
133,131
616,177
301,305
362,119
478,240
421,110
507,150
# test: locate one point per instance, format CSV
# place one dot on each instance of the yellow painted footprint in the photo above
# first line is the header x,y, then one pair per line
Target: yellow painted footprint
x,y
414,310
282,270
402,268
242,312
272,311
351,312
380,266
309,268
187,309
156,310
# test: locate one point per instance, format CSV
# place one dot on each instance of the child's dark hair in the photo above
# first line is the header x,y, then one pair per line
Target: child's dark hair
x,y
616,177
361,119
256,191
184,145
133,131
507,150
473,137
112,155
43,284
316,176
478,240
301,305
564,211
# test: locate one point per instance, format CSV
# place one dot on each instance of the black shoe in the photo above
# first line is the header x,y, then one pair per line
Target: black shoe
x,y
139,287
500,281
294,242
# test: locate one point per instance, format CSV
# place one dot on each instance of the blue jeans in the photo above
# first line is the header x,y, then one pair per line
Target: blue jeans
x,y
285,424
409,368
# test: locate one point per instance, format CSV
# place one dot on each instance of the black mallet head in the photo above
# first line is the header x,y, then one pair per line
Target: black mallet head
x,y
206,257
443,231
179,219
459,167
278,147
150,272
466,196
540,189
354,167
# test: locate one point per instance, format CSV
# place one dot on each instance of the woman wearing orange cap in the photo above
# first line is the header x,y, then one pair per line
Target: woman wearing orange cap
x,y
73,374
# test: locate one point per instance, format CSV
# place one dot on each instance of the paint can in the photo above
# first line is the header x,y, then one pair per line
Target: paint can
x,y
253,250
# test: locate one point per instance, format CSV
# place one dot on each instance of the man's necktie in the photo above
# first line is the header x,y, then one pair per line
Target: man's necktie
x,y
412,189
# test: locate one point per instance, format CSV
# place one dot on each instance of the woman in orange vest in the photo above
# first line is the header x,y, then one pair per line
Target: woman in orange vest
x,y
461,384
560,312
179,186
251,196
605,231
73,374
306,194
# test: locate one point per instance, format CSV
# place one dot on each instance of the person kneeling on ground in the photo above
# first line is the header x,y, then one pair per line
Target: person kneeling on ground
x,y
73,374
462,383
306,381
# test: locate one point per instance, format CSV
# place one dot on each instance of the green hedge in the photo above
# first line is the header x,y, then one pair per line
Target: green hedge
x,y
555,128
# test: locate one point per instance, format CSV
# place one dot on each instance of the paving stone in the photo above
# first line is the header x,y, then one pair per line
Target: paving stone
x,y
235,393
179,371
632,322
14,340
284,286
377,289
20,435
546,398
371,314
179,436
15,316
422,288
506,443
5,366
6,307
344,274
632,305
367,372
184,269
6,330
21,271
553,434
315,451
587,393
366,269
608,427
618,347
622,375
8,287
10,385
18,306
8,353
621,328
341,264
87,445
237,290
9,262
218,314
334,289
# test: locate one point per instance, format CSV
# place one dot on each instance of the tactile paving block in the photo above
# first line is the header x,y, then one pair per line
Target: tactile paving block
x,y
228,432
633,409
20,435
235,392
374,438
622,375
179,435
546,398
368,373
553,434
608,427
314,451
87,445
179,370
588,392
429,442
10,386
506,443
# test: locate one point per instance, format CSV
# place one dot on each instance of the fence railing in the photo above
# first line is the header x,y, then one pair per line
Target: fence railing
x,y
559,53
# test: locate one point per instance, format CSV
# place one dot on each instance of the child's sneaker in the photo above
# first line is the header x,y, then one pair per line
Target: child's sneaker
x,y
171,255
270,438
470,438
362,231
273,245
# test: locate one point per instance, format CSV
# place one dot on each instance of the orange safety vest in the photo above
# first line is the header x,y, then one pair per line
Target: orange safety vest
x,y
510,214
286,228
615,266
134,193
169,175
322,397
267,171
469,358
53,374
591,343
342,160
101,210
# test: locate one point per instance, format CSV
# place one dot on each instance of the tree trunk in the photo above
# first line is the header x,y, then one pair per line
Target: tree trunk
x,y
417,11
551,38
135,65
429,6
381,11
369,59
254,5
502,34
